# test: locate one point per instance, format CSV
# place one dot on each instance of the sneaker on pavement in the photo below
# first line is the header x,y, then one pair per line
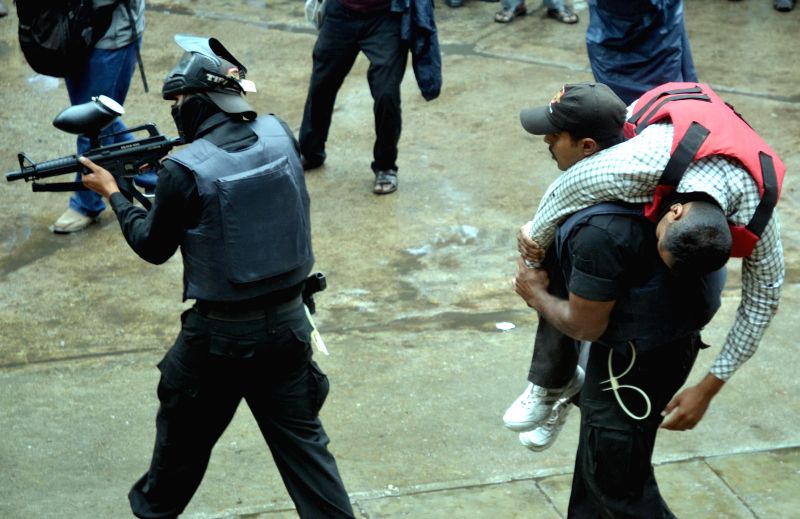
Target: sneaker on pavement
x,y
543,437
72,221
534,405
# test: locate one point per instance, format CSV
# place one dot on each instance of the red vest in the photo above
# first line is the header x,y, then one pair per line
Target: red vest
x,y
706,125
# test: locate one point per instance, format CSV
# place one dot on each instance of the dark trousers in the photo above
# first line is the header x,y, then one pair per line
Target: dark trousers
x,y
343,34
613,475
215,364
555,355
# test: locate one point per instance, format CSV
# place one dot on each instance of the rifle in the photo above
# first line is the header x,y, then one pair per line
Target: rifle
x,y
123,159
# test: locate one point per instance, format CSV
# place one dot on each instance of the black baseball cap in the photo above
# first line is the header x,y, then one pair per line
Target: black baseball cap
x,y
583,109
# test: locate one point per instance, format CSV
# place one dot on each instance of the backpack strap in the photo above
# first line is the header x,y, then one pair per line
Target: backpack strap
x,y
635,117
678,162
131,19
642,125
684,153
768,199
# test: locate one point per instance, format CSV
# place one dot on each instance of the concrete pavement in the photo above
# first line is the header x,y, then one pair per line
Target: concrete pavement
x,y
418,281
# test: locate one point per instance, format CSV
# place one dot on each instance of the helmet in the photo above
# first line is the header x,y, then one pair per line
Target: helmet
x,y
208,67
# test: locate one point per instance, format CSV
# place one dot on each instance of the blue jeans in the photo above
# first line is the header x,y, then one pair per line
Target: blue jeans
x,y
108,73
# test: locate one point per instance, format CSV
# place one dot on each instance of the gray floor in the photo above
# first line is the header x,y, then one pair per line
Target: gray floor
x,y
418,282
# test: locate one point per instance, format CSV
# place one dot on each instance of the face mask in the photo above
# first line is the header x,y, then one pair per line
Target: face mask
x,y
176,116
190,114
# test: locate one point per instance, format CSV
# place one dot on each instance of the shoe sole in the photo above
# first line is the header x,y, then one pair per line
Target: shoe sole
x,y
522,426
537,448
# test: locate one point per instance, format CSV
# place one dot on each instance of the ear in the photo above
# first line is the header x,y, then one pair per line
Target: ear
x,y
589,146
678,210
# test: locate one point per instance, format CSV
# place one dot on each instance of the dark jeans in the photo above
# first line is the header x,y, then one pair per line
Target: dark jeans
x,y
613,475
204,376
343,34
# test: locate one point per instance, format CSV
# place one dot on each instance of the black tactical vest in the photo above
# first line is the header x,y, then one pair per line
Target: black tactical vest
x,y
659,308
254,232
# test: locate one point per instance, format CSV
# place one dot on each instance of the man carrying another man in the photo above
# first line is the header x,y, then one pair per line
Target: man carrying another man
x,y
630,171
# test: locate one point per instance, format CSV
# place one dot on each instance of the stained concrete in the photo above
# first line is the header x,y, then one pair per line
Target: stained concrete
x,y
418,281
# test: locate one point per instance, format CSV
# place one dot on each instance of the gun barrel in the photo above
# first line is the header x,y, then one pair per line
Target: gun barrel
x,y
15,175
48,168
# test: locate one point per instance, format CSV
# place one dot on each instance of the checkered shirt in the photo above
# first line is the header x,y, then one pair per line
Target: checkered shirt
x,y
629,172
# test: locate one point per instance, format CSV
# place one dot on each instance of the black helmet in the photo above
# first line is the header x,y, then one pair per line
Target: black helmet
x,y
208,67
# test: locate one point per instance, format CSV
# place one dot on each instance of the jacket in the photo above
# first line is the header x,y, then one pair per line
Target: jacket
x,y
657,308
418,29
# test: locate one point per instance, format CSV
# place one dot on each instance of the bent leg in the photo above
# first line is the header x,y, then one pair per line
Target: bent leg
x,y
287,414
555,354
186,430
197,402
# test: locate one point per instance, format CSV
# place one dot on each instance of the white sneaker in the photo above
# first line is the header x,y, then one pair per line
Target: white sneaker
x,y
543,437
72,221
534,405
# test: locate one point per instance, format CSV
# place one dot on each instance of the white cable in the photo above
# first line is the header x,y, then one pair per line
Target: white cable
x,y
615,385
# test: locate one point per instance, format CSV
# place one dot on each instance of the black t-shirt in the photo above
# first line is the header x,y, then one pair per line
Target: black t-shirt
x,y
608,254
613,257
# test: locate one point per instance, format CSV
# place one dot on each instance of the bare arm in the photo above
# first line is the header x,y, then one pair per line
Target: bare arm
x,y
579,318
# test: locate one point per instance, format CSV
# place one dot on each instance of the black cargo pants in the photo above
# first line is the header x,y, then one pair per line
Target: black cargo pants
x,y
212,366
613,475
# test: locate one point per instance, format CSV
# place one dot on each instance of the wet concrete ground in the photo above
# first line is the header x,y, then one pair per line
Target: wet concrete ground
x,y
417,284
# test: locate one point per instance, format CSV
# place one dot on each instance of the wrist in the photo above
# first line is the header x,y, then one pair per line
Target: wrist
x,y
711,384
536,300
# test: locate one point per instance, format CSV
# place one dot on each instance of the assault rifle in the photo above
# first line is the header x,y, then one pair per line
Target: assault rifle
x,y
122,159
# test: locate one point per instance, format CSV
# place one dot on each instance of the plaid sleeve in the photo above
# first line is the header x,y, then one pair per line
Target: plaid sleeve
x,y
627,172
762,279
762,273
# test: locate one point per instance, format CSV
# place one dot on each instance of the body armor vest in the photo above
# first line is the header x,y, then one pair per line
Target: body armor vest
x,y
658,308
254,233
